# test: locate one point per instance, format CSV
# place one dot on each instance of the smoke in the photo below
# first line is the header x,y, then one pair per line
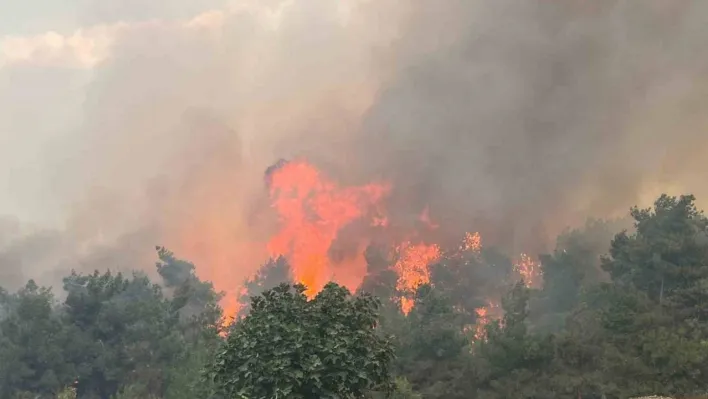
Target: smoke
x,y
530,115
517,118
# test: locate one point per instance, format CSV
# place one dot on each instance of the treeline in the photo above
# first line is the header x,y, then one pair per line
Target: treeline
x,y
113,336
617,316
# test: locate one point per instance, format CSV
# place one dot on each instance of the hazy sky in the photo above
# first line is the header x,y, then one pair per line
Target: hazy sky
x,y
30,17
48,55
130,123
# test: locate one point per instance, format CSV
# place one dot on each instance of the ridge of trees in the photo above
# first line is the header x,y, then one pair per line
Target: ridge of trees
x,y
618,316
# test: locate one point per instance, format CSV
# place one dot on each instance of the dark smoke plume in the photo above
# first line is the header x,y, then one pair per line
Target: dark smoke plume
x,y
524,117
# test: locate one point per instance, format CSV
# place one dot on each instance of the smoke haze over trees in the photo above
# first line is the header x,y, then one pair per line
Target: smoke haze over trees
x,y
604,325
417,127
125,125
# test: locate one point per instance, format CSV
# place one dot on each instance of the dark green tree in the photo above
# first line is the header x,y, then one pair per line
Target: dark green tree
x,y
402,390
111,332
654,312
573,267
292,347
380,279
644,331
270,275
578,366
200,323
433,351
125,332
668,253
196,300
513,363
32,343
469,279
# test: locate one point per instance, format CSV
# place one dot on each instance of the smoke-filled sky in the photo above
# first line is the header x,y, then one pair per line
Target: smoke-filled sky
x,y
125,123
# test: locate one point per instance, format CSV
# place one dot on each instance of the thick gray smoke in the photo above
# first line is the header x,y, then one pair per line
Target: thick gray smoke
x,y
529,115
517,118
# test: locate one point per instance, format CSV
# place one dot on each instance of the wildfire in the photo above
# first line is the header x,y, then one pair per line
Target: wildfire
x,y
472,242
485,315
312,211
529,270
317,215
412,268
482,321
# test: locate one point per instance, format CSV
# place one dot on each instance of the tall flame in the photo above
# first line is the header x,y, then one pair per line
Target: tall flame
x,y
412,268
314,214
312,211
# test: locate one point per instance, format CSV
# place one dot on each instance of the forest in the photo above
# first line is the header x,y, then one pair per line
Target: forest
x,y
617,315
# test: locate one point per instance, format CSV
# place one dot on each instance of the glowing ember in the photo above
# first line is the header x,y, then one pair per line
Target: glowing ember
x,y
485,315
312,211
412,268
472,243
482,322
529,270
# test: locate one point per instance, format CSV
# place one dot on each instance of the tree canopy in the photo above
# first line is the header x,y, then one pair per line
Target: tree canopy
x,y
292,347
620,313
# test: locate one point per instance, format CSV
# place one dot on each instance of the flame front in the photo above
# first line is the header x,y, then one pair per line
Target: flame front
x,y
315,213
412,268
312,211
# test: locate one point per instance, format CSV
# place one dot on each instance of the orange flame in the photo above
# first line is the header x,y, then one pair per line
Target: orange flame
x,y
472,243
485,315
312,211
482,321
529,270
412,269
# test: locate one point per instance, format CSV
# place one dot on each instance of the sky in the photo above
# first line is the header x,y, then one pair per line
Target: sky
x,y
49,51
126,124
